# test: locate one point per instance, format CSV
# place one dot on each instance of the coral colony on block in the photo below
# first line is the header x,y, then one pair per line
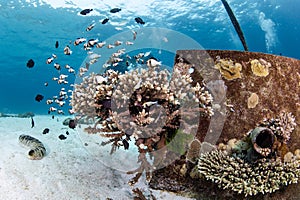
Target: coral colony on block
x,y
257,151
125,104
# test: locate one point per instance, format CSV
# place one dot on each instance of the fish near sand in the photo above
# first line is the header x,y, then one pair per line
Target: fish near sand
x,y
104,21
46,130
139,20
72,124
30,63
85,11
115,10
32,122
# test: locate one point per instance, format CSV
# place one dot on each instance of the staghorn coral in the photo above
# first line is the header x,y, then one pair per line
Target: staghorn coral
x,y
263,176
143,104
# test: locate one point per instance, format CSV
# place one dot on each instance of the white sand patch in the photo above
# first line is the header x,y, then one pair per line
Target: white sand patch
x,y
68,171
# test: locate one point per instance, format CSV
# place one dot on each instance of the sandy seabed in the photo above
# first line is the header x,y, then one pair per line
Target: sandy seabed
x,y
68,171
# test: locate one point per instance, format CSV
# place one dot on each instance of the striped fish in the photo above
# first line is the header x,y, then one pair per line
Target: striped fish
x,y
37,151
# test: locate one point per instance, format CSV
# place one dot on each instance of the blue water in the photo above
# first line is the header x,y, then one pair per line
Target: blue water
x,y
30,32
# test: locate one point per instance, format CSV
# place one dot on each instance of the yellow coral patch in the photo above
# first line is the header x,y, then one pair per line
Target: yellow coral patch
x,y
260,67
253,100
228,69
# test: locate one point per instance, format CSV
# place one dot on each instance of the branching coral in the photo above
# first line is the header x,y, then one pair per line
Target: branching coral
x,y
235,174
147,105
282,126
255,164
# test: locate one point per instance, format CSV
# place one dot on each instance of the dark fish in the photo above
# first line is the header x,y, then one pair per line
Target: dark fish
x,y
72,124
30,63
67,132
39,97
105,21
52,116
126,144
46,130
139,20
115,10
62,137
85,11
32,123
56,44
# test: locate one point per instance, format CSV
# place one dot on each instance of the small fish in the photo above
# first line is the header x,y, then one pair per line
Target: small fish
x,y
56,44
63,76
67,66
32,122
67,132
147,54
39,97
46,130
134,34
67,50
115,10
100,44
71,112
52,109
50,59
30,63
46,84
85,11
92,42
153,63
139,20
110,46
71,70
62,137
72,124
118,43
49,101
79,41
126,144
128,43
104,21
90,27
60,112
57,66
